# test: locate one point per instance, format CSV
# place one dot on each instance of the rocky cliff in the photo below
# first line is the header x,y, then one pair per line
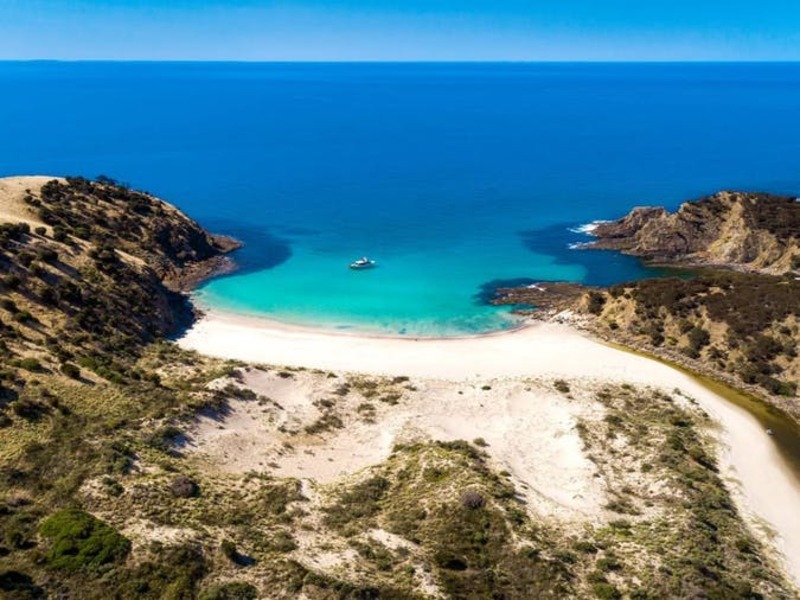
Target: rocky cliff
x,y
748,231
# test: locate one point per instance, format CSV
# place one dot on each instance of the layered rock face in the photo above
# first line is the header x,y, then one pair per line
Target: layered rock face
x,y
753,232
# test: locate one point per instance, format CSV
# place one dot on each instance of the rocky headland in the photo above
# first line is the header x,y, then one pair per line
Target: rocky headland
x,y
736,313
746,231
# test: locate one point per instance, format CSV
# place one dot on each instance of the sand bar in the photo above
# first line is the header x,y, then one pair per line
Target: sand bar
x,y
769,493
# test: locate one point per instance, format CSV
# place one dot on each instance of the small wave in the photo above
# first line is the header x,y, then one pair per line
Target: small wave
x,y
588,228
577,245
535,286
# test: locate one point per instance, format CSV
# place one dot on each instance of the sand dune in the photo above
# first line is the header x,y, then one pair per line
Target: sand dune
x,y
12,206
528,429
767,491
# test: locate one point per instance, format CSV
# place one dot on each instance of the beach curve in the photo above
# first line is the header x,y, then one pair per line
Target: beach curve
x,y
766,489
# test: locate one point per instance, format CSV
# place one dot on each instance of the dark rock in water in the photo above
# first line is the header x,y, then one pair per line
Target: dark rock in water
x,y
547,296
262,248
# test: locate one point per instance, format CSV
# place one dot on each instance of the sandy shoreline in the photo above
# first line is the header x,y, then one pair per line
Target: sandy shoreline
x,y
768,493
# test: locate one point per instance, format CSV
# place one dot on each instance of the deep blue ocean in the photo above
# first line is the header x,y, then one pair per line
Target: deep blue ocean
x,y
454,177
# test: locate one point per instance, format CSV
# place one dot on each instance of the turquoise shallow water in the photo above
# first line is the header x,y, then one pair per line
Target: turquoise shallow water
x,y
415,293
455,178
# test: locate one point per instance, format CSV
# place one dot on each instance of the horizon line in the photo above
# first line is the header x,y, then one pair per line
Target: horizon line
x,y
394,61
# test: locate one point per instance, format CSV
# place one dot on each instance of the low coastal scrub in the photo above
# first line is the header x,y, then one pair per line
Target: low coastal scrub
x,y
230,591
79,541
742,324
462,519
452,515
696,544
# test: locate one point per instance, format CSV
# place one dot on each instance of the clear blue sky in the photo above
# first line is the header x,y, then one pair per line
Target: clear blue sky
x,y
401,29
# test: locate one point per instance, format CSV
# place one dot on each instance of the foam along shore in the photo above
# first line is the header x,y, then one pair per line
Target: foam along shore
x,y
768,491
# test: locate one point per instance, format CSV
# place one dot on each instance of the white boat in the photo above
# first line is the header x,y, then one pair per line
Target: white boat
x,y
363,263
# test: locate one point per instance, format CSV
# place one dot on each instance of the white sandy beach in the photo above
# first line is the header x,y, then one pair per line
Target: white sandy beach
x,y
768,494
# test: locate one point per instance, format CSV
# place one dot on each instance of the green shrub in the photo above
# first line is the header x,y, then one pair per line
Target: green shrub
x,y
25,258
585,546
360,501
698,338
12,281
71,371
13,231
29,409
60,234
561,386
172,575
606,591
9,305
24,316
17,531
326,422
230,591
229,550
80,541
47,255
164,438
30,364
608,563
48,296
595,302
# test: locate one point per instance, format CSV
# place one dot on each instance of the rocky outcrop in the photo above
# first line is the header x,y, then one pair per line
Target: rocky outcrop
x,y
547,297
747,231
